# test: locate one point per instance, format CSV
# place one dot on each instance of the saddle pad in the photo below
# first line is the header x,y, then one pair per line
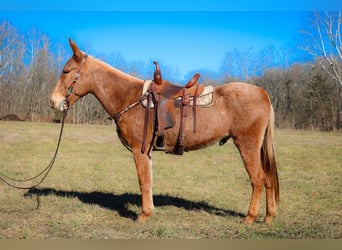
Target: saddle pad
x,y
205,99
145,88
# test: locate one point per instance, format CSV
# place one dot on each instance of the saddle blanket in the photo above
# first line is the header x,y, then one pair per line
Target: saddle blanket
x,y
204,100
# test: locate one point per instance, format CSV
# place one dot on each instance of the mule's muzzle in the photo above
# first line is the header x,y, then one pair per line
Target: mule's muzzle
x,y
62,106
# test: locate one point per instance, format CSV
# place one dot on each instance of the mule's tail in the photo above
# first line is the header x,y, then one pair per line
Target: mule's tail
x,y
268,156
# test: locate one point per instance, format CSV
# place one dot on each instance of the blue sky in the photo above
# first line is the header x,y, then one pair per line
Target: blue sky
x,y
186,35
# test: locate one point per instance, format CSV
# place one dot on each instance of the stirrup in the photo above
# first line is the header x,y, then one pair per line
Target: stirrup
x,y
158,144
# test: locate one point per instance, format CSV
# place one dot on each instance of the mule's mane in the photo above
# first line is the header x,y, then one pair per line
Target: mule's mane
x,y
109,68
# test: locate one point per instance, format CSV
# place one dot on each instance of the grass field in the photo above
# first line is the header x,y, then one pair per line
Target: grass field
x,y
92,191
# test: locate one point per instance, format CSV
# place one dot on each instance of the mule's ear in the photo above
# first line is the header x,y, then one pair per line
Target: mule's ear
x,y
77,52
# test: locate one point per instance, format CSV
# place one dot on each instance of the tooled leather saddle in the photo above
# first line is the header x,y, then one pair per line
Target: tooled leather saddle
x,y
166,97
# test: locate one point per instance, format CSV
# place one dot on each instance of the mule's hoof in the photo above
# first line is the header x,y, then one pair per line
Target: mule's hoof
x,y
143,218
249,220
268,219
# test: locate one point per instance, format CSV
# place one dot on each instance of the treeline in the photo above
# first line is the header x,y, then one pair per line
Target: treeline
x,y
304,95
30,65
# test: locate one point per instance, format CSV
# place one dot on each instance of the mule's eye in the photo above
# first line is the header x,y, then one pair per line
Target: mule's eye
x,y
66,72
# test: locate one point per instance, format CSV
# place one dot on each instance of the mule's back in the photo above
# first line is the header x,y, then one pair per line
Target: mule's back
x,y
245,102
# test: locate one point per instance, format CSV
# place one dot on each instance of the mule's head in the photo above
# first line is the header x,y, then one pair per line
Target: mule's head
x,y
73,82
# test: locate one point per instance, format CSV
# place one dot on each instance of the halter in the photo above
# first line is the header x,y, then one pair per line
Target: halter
x,y
74,81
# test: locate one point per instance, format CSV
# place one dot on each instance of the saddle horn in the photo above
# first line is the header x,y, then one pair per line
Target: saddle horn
x,y
157,74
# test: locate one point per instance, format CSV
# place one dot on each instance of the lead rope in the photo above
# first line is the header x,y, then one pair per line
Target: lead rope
x,y
43,173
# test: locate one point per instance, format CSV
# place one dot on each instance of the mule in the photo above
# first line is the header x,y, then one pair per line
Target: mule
x,y
239,111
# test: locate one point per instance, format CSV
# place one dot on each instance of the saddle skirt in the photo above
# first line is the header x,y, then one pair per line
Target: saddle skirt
x,y
204,100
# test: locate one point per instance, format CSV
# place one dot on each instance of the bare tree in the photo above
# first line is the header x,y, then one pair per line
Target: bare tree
x,y
324,42
236,64
12,50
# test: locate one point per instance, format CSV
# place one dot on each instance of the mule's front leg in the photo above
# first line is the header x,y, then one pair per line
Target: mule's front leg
x,y
144,169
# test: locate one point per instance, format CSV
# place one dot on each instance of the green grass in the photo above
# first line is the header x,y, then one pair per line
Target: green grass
x,y
92,191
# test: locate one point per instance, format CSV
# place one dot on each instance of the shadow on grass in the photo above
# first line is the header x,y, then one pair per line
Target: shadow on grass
x,y
119,202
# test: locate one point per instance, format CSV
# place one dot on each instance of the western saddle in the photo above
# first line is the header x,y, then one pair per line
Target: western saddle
x,y
166,97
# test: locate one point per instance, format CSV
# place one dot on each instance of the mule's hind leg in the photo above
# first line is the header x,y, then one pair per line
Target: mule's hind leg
x,y
250,153
144,169
270,203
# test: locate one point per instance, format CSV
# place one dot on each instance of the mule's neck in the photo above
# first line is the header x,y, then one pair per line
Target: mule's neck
x,y
114,89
